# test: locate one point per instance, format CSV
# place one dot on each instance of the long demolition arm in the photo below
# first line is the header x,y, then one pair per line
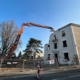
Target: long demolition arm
x,y
14,45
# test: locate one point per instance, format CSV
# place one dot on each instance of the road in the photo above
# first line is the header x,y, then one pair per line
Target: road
x,y
66,75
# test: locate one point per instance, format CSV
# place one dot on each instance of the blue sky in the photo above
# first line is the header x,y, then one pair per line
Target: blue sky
x,y
54,13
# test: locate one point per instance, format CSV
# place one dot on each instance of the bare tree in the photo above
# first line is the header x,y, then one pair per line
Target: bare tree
x,y
8,34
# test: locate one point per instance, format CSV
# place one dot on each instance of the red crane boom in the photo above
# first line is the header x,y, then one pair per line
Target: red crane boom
x,y
14,45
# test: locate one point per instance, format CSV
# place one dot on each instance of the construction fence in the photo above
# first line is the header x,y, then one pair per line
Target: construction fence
x,y
21,63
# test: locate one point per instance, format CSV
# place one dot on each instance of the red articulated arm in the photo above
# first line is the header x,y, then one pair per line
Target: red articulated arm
x,y
14,45
38,25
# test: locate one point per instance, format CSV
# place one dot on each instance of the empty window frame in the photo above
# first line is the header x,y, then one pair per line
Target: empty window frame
x,y
48,47
48,56
64,43
55,45
66,56
27,57
63,33
31,57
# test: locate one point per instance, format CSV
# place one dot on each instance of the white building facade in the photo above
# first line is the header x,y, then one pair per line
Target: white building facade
x,y
36,56
62,46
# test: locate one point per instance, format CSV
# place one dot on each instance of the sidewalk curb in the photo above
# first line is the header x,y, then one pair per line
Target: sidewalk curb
x,y
13,75
43,72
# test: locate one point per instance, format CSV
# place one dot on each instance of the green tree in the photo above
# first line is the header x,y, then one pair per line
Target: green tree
x,y
20,54
34,46
14,56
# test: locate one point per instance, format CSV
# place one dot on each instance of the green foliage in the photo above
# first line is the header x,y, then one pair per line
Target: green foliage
x,y
33,46
14,56
20,54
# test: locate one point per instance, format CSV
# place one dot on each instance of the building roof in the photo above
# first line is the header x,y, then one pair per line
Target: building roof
x,y
70,24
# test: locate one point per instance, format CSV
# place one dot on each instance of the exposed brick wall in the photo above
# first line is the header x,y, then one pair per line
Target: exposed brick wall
x,y
77,37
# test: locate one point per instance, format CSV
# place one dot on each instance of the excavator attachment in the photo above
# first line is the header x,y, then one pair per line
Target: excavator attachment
x,y
14,45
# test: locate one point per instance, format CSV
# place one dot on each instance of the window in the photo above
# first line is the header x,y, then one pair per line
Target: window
x,y
48,47
55,45
27,57
66,57
56,56
31,57
64,43
63,34
48,56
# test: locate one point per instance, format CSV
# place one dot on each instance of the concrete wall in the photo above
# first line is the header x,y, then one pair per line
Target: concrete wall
x,y
70,45
76,34
39,55
76,31
45,52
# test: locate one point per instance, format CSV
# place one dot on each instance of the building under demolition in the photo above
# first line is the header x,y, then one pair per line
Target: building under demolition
x,y
64,45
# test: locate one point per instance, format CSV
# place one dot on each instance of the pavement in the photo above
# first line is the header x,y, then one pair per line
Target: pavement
x,y
16,73
65,75
43,71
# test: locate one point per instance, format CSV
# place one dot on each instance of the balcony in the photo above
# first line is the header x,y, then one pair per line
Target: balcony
x,y
54,40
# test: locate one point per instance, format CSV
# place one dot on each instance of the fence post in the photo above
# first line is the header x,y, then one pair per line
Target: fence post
x,y
23,63
1,63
